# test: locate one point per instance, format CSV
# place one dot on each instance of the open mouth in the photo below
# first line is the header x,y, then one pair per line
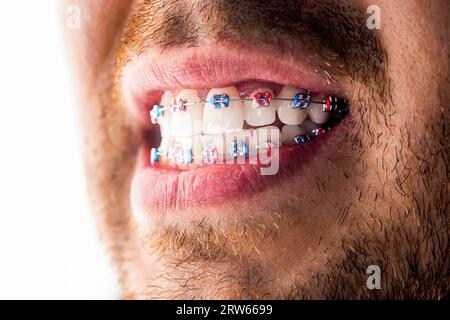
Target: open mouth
x,y
239,121
225,124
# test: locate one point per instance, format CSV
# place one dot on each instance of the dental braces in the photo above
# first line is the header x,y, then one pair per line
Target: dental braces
x,y
180,155
262,99
183,155
304,138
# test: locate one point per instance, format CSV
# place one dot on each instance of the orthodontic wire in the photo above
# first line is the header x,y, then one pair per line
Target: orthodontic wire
x,y
191,103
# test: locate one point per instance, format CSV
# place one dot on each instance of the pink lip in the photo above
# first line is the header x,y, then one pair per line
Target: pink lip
x,y
161,190
149,75
156,189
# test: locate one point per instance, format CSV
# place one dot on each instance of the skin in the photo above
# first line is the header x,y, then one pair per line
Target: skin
x,y
382,200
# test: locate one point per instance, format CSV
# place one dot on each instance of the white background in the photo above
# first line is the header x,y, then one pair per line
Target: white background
x,y
49,247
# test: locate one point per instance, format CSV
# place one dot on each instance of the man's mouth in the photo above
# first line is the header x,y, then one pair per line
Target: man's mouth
x,y
239,121
216,121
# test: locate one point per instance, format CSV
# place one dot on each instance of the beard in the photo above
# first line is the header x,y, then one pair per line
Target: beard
x,y
399,224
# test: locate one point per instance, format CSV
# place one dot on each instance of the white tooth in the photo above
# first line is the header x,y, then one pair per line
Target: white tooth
x,y
197,149
242,135
189,122
164,121
317,115
259,116
214,141
309,125
289,132
286,113
261,136
224,120
191,143
166,143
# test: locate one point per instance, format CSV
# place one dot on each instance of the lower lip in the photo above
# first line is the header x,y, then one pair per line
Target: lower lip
x,y
156,190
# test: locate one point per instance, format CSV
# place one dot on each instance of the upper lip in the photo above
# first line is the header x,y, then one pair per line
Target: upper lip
x,y
149,74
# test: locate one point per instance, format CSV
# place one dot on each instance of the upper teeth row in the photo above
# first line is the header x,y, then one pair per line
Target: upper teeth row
x,y
224,111
263,99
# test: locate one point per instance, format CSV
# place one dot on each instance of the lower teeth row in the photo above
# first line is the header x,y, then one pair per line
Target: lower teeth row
x,y
178,154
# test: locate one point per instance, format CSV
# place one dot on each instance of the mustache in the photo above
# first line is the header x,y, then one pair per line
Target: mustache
x,y
334,32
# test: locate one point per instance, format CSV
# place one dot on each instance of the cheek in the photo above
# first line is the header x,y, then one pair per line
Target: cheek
x,y
415,55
